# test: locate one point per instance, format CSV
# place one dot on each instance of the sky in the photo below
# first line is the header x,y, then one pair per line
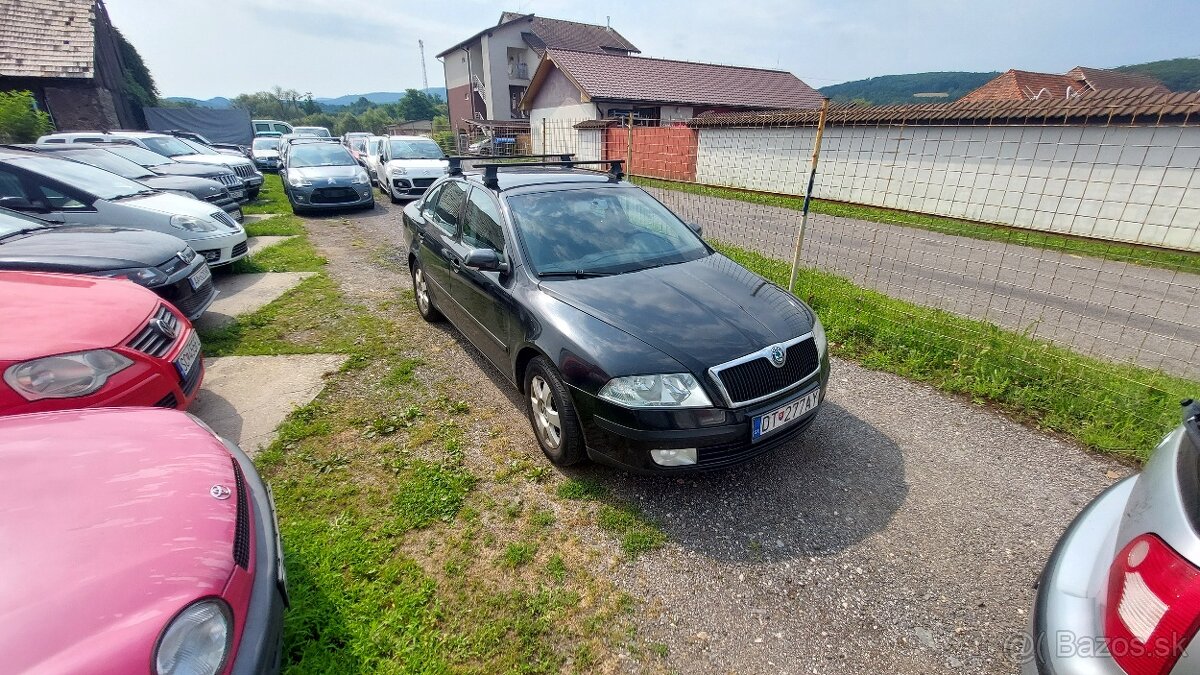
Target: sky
x,y
212,48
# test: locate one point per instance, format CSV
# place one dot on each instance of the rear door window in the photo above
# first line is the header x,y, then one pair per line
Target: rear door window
x,y
449,207
481,223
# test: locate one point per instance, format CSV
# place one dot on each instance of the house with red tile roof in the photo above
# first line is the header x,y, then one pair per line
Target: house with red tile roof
x,y
577,85
1023,85
487,74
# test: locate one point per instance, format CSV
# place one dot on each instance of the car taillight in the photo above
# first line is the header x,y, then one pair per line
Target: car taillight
x,y
1153,606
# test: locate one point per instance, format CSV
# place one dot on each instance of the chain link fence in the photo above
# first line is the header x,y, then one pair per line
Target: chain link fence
x,y
1002,261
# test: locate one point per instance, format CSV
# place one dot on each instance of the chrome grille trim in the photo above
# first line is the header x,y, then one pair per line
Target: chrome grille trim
x,y
151,340
714,373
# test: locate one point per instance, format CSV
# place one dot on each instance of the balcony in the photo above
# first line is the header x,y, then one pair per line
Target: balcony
x,y
518,71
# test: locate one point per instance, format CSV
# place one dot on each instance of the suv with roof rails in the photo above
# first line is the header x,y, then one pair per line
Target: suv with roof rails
x,y
178,149
636,343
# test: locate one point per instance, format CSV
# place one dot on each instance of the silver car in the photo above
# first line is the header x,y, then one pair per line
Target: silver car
x,y
1121,592
323,175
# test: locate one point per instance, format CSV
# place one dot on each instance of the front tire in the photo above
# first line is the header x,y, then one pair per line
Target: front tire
x,y
552,414
421,294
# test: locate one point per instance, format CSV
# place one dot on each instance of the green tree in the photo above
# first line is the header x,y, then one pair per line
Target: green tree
x,y
139,83
20,120
417,105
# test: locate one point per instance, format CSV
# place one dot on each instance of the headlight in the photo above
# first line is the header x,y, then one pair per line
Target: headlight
x,y
361,178
679,390
66,375
818,332
296,180
196,641
146,276
397,171
194,224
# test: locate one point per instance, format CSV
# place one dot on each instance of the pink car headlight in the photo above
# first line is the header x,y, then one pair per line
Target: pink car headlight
x,y
197,640
66,375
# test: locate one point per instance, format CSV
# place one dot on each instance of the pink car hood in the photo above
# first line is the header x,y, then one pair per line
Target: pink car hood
x,y
108,529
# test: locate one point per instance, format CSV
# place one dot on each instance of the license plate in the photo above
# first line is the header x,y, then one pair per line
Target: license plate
x,y
189,355
238,194
784,415
200,277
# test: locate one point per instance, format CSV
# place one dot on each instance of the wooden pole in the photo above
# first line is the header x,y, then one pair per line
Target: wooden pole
x,y
629,149
812,179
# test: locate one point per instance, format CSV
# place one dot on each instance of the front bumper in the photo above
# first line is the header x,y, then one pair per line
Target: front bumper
x,y
223,248
624,438
332,196
260,649
191,301
267,163
1068,615
411,187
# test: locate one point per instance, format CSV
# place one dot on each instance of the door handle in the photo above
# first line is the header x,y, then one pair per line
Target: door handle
x,y
455,266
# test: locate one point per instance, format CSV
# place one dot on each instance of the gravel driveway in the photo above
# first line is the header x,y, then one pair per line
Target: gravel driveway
x,y
902,534
1113,310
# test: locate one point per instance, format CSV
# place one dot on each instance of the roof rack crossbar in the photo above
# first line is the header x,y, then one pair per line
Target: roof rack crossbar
x,y
615,168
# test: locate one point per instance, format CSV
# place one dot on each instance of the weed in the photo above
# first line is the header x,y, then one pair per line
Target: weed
x,y
582,488
637,534
519,553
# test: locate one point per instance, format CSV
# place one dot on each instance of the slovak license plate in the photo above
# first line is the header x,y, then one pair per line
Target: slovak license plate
x,y
784,415
199,277
189,355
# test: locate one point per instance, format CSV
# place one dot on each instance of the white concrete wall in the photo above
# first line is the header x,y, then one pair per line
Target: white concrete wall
x,y
557,126
1134,184
590,146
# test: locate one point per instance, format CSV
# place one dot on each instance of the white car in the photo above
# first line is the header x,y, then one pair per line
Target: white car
x,y
408,165
322,132
62,191
169,146
371,160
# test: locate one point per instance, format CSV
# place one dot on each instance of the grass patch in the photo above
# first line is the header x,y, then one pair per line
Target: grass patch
x,y
519,553
271,198
294,255
429,492
582,488
1114,408
276,226
637,534
1182,261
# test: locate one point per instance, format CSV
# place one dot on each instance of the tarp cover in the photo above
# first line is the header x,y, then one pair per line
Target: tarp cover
x,y
219,126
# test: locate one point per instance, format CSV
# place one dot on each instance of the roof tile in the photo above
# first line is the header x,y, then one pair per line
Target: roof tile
x,y
47,38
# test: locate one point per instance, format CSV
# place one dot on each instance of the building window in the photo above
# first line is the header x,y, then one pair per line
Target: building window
x,y
515,94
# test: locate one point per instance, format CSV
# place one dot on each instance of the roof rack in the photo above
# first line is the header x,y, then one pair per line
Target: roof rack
x,y
457,160
491,171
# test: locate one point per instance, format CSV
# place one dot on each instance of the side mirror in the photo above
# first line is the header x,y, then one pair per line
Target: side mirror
x,y
21,204
697,228
484,260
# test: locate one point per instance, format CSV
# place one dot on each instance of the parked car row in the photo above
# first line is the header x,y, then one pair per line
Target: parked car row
x,y
106,249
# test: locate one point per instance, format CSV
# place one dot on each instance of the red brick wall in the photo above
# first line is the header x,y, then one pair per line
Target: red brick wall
x,y
660,152
459,101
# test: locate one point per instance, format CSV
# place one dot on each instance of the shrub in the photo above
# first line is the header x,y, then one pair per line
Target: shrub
x,y
20,120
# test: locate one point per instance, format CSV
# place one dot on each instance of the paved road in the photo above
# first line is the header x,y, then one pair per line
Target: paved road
x,y
1112,310
901,534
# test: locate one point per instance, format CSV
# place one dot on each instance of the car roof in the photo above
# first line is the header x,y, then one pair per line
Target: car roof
x,y
525,177
408,137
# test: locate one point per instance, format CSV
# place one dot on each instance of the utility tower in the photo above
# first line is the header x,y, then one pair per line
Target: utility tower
x,y
424,77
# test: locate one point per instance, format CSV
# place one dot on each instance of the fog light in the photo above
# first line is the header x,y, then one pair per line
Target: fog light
x,y
711,417
674,457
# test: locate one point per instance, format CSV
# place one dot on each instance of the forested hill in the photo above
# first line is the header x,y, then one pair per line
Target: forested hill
x,y
893,89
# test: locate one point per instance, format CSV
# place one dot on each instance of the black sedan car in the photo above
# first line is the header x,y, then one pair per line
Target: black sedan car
x,y
165,166
99,156
160,262
637,344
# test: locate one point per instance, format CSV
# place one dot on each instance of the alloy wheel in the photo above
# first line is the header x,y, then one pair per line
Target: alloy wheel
x,y
545,414
422,290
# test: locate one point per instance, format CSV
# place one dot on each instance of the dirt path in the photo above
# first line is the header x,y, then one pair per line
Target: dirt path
x,y
903,533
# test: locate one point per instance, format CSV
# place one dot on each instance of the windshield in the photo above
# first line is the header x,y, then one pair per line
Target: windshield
x,y
140,156
169,146
103,159
11,223
97,182
373,146
415,149
319,154
266,144
359,145
199,148
601,231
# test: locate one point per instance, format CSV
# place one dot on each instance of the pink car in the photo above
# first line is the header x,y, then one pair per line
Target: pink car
x,y
135,541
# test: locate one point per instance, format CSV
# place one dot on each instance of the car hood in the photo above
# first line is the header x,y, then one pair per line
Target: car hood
x,y
60,313
201,187
189,169
117,532
171,205
266,154
220,160
87,248
339,174
701,313
437,165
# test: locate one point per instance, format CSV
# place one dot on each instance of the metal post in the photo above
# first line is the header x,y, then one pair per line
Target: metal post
x,y
629,149
544,121
812,179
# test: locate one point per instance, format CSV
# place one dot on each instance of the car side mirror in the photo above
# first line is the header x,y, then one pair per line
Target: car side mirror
x,y
22,204
484,260
697,228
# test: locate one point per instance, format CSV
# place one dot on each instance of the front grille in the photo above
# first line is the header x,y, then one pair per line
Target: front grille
x,y
241,528
728,454
158,335
197,299
221,197
230,179
758,378
239,248
225,219
244,170
212,255
423,182
334,195
168,401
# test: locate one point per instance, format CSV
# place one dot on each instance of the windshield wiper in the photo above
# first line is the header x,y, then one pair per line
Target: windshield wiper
x,y
577,274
